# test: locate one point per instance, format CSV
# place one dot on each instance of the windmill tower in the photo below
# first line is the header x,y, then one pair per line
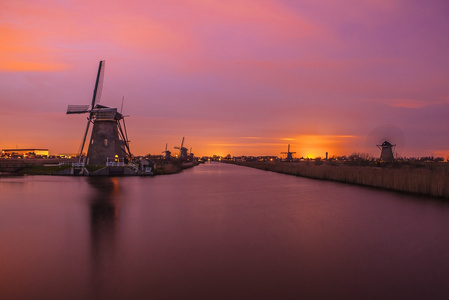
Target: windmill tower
x,y
182,151
109,140
289,154
386,153
167,152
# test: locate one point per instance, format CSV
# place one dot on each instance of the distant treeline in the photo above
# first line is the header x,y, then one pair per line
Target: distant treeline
x,y
431,179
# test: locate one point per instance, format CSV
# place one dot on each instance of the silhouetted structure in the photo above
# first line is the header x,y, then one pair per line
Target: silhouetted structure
x,y
386,154
289,154
109,140
191,156
167,153
182,151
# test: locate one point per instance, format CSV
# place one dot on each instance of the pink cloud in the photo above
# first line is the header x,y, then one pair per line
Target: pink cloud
x,y
408,103
216,71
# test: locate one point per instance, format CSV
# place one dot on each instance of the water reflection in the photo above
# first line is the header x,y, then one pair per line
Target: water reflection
x,y
218,232
103,204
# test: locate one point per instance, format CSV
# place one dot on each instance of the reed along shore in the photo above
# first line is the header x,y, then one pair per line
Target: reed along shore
x,y
421,179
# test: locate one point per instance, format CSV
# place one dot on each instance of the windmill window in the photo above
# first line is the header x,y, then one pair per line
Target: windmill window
x,y
105,142
92,142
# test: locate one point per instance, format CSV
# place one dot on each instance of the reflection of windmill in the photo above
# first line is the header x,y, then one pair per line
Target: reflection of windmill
x,y
108,139
289,154
386,153
104,218
182,151
167,152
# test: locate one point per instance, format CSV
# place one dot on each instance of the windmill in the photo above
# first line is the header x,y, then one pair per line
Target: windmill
x,y
182,151
191,155
386,153
108,138
381,136
167,152
289,154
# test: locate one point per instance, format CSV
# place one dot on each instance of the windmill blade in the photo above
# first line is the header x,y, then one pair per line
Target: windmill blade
x,y
98,84
77,109
177,147
124,126
84,138
124,137
166,144
182,143
121,108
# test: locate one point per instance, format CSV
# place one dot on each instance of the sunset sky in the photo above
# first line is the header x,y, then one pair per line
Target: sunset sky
x,y
244,77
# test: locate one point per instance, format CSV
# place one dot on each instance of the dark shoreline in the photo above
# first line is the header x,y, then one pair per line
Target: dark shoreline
x,y
431,180
20,167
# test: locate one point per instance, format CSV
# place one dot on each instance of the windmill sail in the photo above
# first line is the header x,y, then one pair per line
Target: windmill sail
x,y
98,84
77,109
289,154
95,99
182,150
109,138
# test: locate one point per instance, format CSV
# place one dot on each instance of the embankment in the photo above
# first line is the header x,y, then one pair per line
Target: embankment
x,y
429,180
51,167
174,167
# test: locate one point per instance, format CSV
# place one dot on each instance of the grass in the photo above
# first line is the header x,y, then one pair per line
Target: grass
x,y
430,180
41,170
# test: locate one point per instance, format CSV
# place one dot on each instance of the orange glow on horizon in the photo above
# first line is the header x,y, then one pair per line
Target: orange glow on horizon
x,y
233,77
31,66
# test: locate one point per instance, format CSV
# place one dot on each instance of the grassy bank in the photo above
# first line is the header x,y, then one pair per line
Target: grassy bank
x,y
37,167
430,180
41,170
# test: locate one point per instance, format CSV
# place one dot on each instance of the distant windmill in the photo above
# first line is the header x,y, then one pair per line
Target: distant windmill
x,y
182,151
167,152
382,136
289,154
108,139
386,153
191,156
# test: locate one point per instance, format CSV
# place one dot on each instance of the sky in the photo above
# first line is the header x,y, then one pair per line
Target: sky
x,y
239,77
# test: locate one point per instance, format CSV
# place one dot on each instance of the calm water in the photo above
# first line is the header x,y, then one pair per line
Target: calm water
x,y
218,232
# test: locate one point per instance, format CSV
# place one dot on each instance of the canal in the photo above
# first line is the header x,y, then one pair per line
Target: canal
x,y
218,231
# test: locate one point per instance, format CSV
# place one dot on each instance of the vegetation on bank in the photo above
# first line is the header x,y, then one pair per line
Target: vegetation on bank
x,y
171,167
421,179
41,170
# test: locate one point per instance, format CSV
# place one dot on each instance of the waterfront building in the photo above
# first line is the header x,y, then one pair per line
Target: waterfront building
x,y
25,153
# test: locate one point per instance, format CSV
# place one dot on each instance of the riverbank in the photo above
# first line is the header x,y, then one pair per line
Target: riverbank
x,y
173,168
428,180
17,167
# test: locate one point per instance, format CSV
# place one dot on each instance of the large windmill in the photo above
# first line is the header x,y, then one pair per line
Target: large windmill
x,y
109,140
386,153
182,151
289,154
167,152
